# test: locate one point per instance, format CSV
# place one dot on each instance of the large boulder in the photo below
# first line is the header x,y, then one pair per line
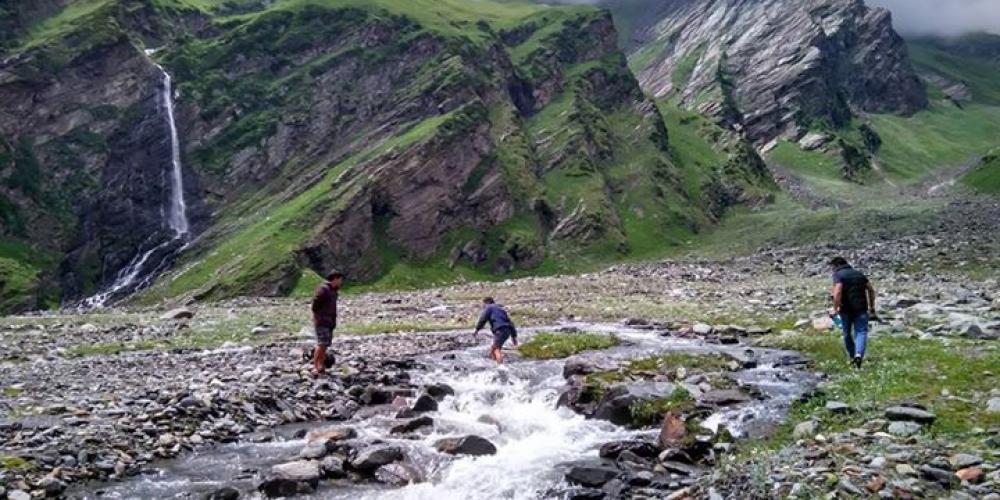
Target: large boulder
x,y
369,459
673,431
412,425
397,474
909,414
299,470
723,397
468,445
591,476
616,405
179,313
613,449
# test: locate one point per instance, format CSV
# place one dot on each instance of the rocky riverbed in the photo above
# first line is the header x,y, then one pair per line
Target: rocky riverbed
x,y
107,401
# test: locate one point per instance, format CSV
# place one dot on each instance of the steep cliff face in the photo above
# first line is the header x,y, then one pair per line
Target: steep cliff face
x,y
775,68
335,133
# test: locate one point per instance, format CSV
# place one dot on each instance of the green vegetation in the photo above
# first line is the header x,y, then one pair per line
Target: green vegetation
x,y
12,463
561,345
651,412
985,178
21,268
685,67
12,392
961,60
961,367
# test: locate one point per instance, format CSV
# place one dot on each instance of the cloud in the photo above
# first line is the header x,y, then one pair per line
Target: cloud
x,y
943,17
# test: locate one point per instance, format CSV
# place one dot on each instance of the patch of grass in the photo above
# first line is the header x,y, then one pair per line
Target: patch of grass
x,y
985,178
561,345
12,392
897,369
685,67
651,412
381,327
674,360
12,463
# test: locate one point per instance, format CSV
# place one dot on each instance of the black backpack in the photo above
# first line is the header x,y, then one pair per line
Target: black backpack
x,y
854,297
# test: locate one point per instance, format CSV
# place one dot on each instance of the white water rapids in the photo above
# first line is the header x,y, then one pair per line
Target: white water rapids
x,y
140,270
533,437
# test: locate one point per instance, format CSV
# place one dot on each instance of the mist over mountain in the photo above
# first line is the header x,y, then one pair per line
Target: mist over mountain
x,y
919,17
943,17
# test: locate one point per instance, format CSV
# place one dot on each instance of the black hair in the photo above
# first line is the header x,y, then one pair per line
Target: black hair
x,y
838,262
488,300
332,275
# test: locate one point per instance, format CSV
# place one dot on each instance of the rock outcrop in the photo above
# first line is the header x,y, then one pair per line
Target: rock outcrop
x,y
776,68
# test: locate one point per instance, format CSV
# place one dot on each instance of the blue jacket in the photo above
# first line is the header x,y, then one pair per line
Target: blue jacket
x,y
496,316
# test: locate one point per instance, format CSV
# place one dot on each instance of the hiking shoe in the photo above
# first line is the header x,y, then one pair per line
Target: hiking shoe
x,y
857,362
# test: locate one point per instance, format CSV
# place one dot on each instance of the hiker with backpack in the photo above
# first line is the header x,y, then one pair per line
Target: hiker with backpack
x,y
500,324
854,303
324,309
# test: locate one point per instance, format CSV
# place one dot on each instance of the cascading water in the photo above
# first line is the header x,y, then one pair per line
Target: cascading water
x,y
139,270
514,408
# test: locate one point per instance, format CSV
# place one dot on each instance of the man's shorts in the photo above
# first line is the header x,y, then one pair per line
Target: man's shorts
x,y
500,337
324,336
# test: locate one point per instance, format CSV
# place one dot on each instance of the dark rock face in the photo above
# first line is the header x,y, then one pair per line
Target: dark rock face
x,y
98,136
773,67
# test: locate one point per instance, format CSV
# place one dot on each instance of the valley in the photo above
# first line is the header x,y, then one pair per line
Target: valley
x,y
652,188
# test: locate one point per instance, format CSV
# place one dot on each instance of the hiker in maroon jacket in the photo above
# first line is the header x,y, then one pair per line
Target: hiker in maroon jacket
x,y
324,309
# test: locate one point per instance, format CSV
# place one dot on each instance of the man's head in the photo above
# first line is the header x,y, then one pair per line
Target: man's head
x,y
487,301
335,278
838,262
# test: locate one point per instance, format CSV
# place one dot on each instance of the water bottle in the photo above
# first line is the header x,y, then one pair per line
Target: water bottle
x,y
838,323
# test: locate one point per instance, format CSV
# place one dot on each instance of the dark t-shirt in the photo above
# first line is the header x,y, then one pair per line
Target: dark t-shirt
x,y
496,316
854,295
324,307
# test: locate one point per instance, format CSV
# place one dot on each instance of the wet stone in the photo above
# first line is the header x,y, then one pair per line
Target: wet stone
x,y
425,403
641,448
224,493
468,445
412,425
903,428
374,457
591,476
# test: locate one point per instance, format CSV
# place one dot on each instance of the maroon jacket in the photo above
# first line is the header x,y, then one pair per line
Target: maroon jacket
x,y
324,307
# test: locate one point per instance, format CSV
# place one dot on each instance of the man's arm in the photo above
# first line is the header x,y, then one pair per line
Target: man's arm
x,y
871,296
483,318
838,294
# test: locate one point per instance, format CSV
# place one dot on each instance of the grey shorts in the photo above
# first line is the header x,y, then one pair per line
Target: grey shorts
x,y
324,336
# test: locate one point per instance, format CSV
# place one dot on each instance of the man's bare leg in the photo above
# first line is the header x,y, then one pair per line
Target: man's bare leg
x,y
497,355
319,359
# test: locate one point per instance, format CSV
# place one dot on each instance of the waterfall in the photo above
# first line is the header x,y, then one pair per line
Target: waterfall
x,y
177,216
138,273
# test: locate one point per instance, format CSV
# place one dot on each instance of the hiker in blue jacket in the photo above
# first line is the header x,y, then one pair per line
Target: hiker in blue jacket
x,y
500,324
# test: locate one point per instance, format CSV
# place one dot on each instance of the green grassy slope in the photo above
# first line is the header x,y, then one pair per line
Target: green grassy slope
x,y
985,178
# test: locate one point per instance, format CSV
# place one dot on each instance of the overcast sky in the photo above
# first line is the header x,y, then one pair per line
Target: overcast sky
x,y
945,17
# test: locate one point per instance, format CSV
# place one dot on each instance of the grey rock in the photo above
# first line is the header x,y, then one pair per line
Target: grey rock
x,y
963,460
299,470
412,425
838,407
224,493
374,457
993,405
805,429
904,428
425,403
179,313
52,486
396,474
847,486
468,445
943,477
332,467
723,397
591,476
18,495
910,414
